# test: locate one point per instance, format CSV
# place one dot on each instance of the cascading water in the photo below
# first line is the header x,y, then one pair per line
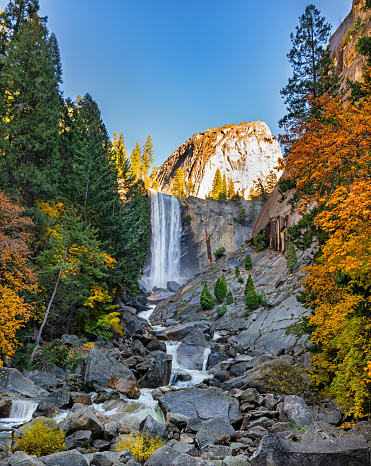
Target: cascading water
x,y
20,412
166,227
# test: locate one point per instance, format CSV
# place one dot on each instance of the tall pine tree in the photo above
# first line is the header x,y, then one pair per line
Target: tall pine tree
x,y
135,161
147,157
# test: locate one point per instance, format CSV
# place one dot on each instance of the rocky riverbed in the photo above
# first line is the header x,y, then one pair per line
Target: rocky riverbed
x,y
230,390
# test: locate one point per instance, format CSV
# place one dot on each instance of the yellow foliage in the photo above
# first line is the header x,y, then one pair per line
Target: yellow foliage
x,y
41,438
113,320
141,445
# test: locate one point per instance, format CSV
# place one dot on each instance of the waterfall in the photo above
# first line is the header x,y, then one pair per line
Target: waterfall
x,y
20,412
166,227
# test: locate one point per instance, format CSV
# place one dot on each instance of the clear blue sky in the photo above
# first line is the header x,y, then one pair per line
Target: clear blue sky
x,y
171,68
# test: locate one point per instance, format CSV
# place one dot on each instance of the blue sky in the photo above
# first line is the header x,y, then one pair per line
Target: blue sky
x,y
173,68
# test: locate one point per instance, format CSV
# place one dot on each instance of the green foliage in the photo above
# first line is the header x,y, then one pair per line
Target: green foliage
x,y
292,258
282,379
260,242
252,299
249,284
237,271
57,353
41,437
206,299
262,299
219,252
141,445
187,219
240,279
221,310
220,290
229,298
297,426
147,157
248,263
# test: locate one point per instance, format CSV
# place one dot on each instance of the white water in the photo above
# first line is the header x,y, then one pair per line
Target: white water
x,y
166,227
20,412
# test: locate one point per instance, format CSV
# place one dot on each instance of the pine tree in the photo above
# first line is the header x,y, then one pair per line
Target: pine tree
x,y
224,191
231,191
229,298
237,271
206,299
147,157
252,299
217,185
178,188
306,57
30,111
119,155
249,285
248,263
292,258
16,14
220,290
135,162
190,188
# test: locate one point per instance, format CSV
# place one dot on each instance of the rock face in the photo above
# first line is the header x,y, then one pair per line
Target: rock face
x,y
242,152
348,63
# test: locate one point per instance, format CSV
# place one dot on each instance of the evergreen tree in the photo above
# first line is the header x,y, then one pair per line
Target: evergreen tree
x,y
249,285
248,263
220,290
119,155
306,57
229,298
190,188
206,299
15,15
30,110
237,271
252,299
231,192
292,258
135,162
178,188
217,185
147,157
224,191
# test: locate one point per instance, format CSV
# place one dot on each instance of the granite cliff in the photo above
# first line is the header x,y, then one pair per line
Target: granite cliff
x,y
242,152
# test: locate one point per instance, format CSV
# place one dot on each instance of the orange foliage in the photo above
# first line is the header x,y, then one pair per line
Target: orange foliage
x,y
17,277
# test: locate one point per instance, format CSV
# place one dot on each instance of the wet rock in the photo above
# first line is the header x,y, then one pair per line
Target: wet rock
x,y
190,352
172,286
65,458
5,407
164,456
79,439
178,332
84,419
100,369
151,426
338,452
296,410
213,431
159,372
13,383
126,386
203,404
156,345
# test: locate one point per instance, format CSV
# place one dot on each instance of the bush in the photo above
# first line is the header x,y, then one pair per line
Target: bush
x,y
221,310
57,353
240,279
206,300
237,271
220,290
105,325
292,258
219,252
282,380
262,299
141,445
260,242
41,438
229,298
187,219
248,263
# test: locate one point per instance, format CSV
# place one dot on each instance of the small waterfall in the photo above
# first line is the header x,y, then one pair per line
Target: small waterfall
x,y
20,412
166,227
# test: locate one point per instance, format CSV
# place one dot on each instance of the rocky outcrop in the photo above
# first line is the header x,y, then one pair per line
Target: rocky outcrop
x,y
348,63
242,152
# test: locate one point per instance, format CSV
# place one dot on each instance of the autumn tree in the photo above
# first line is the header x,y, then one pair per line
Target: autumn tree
x,y
217,185
179,188
18,280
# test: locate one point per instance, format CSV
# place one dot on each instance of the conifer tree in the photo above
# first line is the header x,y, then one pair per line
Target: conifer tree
x,y
237,271
119,155
248,263
306,57
135,162
249,285
229,298
224,191
217,185
231,191
190,188
292,258
147,157
178,188
206,299
220,290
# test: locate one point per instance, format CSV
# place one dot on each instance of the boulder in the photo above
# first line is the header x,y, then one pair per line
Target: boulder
x,y
20,458
296,410
79,439
178,332
151,426
335,452
156,345
127,387
45,380
70,340
213,431
108,458
183,447
65,458
164,456
203,404
159,372
13,383
362,428
190,353
319,431
83,419
58,399
172,286
100,369
81,398
132,323
5,407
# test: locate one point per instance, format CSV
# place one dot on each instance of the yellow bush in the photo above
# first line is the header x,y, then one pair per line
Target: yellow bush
x,y
282,379
141,445
41,438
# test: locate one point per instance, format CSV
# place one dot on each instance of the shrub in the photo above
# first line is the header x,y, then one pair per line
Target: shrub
x,y
240,279
282,380
292,258
229,298
252,299
206,300
248,263
260,242
262,299
237,271
141,445
187,219
105,325
220,290
221,310
41,438
219,252
57,353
